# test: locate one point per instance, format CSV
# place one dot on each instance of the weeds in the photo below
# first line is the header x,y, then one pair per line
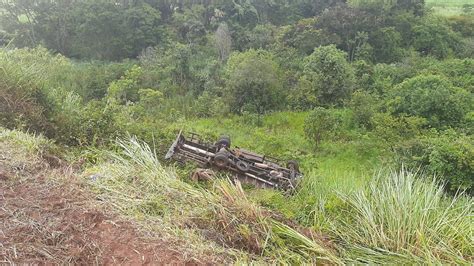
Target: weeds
x,y
407,217
31,144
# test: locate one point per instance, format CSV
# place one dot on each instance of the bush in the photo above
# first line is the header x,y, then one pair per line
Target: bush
x,y
24,102
431,97
450,156
392,129
433,36
126,88
89,79
303,96
37,93
387,45
208,105
364,106
320,124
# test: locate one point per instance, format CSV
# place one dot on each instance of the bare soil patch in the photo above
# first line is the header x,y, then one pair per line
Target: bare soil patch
x,y
47,222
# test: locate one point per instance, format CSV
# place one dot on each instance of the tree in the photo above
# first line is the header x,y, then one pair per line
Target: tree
x,y
330,73
417,7
310,8
447,155
190,25
433,36
305,36
106,30
223,41
350,27
17,17
253,82
261,36
387,45
432,97
126,88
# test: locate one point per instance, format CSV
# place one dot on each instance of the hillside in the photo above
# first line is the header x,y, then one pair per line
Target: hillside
x,y
364,108
127,212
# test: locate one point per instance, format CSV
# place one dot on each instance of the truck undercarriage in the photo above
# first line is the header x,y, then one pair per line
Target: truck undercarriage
x,y
251,168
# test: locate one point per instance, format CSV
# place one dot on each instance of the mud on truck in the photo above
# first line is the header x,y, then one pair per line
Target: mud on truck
x,y
251,168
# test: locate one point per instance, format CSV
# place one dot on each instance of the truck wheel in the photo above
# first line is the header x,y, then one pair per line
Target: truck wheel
x,y
224,141
221,159
242,166
293,165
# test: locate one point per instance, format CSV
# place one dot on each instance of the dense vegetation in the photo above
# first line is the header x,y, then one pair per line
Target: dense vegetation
x,y
346,87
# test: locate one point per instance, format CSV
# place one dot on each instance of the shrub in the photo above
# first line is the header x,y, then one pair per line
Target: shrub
x,y
364,106
320,124
253,81
463,24
387,45
449,156
24,102
78,123
459,71
208,105
431,97
303,96
126,88
433,36
88,79
392,129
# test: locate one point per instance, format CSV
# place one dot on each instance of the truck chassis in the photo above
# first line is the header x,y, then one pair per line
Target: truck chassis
x,y
251,168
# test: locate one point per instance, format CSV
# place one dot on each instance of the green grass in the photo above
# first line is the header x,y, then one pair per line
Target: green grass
x,y
405,217
29,143
281,135
396,217
447,7
341,164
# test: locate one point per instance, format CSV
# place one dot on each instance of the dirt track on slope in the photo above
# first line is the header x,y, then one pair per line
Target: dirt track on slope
x,y
46,222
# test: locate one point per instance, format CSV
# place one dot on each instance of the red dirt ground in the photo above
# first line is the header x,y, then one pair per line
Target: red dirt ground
x,y
42,222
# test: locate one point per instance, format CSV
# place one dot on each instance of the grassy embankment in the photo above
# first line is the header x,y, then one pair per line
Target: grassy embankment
x,y
396,217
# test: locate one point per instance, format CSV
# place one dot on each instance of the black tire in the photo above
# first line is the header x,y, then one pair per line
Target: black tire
x,y
224,141
221,159
242,166
293,165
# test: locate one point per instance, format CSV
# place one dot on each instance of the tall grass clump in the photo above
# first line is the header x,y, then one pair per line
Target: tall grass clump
x,y
405,217
30,143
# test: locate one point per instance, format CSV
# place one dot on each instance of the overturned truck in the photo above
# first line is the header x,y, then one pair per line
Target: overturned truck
x,y
251,168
